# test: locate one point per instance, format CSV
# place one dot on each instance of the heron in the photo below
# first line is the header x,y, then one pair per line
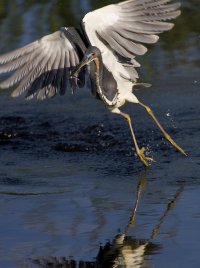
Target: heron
x,y
102,50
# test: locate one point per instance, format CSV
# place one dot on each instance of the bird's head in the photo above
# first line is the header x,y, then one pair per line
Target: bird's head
x,y
91,54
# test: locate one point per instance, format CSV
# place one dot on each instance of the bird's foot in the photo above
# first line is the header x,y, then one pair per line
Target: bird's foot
x,y
174,144
74,73
145,160
74,76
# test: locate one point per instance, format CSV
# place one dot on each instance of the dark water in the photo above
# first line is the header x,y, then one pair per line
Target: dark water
x,y
68,172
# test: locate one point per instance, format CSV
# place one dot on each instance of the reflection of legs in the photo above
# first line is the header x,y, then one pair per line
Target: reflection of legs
x,y
166,135
139,151
169,207
140,187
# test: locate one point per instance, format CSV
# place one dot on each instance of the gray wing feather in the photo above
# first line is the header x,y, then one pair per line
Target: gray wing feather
x,y
139,4
128,44
49,71
144,38
16,63
59,74
151,16
108,38
18,53
52,90
20,73
72,58
64,79
126,27
147,27
152,9
43,67
26,76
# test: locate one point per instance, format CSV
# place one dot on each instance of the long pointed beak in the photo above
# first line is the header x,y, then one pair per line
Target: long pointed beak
x,y
78,68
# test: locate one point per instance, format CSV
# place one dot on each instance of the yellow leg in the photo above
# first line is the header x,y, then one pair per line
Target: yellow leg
x,y
140,188
140,152
166,135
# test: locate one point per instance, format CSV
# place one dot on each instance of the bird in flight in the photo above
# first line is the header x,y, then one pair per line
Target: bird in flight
x,y
104,49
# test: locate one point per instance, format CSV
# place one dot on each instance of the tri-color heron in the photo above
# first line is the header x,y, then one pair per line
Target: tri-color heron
x,y
107,42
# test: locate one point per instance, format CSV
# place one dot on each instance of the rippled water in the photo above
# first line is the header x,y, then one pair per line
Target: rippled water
x,y
68,172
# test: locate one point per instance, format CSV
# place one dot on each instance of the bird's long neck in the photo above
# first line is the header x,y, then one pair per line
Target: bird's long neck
x,y
99,78
96,75
99,69
105,83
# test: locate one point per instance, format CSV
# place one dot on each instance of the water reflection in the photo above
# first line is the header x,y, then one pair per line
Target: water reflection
x,y
124,251
36,171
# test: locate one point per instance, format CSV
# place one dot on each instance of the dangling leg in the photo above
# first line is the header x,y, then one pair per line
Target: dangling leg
x,y
166,135
140,152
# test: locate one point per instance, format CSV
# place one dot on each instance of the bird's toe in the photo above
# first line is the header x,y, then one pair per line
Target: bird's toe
x,y
145,159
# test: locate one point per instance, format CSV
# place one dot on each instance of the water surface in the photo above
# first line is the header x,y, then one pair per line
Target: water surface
x,y
68,170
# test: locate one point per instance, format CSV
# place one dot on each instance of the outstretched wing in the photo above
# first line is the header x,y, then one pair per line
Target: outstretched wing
x,y
121,31
43,67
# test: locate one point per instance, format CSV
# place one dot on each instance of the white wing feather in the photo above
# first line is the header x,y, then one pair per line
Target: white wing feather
x,y
121,30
